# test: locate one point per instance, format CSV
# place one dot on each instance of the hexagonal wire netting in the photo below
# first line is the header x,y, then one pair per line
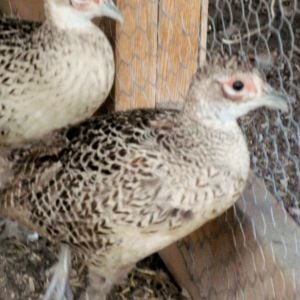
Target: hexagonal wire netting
x,y
268,33
265,31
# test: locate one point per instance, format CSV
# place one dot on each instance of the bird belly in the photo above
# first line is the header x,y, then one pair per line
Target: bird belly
x,y
133,243
37,113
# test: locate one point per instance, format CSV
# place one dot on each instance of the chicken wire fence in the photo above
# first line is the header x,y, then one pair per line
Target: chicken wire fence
x,y
268,34
265,32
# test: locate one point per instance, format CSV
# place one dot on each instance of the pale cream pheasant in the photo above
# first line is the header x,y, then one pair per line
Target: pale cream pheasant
x,y
56,73
125,185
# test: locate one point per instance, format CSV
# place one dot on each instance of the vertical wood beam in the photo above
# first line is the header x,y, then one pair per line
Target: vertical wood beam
x,y
136,54
203,32
178,34
156,51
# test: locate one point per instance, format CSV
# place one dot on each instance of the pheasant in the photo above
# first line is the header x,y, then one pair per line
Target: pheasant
x,y
56,73
122,186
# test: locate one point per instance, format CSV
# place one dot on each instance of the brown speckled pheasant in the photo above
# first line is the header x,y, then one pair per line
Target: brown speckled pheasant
x,y
54,74
117,188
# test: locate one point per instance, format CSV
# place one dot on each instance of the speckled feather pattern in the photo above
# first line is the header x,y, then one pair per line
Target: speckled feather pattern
x,y
107,186
50,77
118,187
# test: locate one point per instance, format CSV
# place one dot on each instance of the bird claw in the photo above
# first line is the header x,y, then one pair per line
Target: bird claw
x,y
59,284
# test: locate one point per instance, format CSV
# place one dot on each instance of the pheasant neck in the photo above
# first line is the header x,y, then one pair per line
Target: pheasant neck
x,y
210,115
65,17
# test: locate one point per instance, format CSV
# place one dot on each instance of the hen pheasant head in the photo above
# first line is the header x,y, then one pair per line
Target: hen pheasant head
x,y
78,13
228,90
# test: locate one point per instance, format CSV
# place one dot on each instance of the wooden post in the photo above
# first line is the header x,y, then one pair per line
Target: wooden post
x,y
156,51
136,54
203,32
178,34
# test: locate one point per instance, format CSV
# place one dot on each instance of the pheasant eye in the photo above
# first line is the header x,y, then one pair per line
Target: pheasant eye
x,y
238,85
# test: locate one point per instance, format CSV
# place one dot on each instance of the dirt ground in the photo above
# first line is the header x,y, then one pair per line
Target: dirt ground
x,y
24,275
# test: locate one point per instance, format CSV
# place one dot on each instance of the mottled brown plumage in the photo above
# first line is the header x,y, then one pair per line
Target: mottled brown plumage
x,y
117,188
56,73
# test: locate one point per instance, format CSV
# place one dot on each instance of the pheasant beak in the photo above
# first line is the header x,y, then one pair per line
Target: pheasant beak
x,y
272,99
109,9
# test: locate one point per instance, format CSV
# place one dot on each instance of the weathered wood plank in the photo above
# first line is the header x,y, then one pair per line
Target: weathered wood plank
x,y
156,51
250,252
178,34
203,32
136,54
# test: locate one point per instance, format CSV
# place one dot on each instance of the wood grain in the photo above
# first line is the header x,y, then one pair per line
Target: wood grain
x,y
156,53
136,55
178,33
28,10
203,32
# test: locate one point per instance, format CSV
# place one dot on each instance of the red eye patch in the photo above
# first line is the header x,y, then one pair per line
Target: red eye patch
x,y
80,6
84,5
249,86
235,89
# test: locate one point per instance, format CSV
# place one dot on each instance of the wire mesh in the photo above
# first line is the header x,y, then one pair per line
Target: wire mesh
x,y
153,70
267,32
249,267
